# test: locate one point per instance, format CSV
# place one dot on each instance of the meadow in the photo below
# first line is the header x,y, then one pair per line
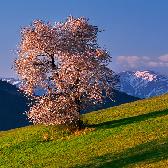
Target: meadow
x,y
130,135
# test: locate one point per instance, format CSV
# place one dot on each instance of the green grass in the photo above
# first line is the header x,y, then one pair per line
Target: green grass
x,y
130,135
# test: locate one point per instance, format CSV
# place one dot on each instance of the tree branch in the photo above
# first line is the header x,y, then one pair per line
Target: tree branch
x,y
52,62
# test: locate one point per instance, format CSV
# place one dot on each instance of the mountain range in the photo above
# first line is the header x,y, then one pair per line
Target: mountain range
x,y
143,84
13,104
133,86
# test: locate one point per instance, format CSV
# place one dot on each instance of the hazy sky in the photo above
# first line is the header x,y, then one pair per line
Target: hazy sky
x,y
136,31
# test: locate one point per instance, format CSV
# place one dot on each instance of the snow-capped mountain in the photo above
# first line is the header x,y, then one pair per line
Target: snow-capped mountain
x,y
12,81
143,84
140,84
17,83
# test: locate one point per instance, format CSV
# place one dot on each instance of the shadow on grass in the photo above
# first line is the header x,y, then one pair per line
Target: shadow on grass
x,y
149,152
129,120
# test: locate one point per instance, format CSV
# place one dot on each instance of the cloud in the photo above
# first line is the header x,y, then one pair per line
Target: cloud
x,y
164,58
153,64
128,60
142,62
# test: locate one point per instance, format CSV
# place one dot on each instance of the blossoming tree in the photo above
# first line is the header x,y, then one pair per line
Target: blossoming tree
x,y
66,61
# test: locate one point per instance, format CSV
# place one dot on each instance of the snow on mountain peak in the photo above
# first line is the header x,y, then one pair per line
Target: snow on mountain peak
x,y
143,83
140,84
146,75
12,81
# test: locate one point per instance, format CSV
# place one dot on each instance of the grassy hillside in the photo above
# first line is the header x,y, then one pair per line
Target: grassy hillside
x,y
129,135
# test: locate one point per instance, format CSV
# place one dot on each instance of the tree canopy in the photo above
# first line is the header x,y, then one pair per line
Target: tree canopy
x,y
66,61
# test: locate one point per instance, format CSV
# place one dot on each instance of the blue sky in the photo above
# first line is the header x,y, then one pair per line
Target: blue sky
x,y
136,31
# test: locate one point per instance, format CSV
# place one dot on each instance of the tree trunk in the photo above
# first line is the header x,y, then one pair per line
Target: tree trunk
x,y
52,62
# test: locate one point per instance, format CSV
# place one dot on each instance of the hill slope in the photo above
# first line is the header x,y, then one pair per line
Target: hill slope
x,y
118,99
129,135
12,106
